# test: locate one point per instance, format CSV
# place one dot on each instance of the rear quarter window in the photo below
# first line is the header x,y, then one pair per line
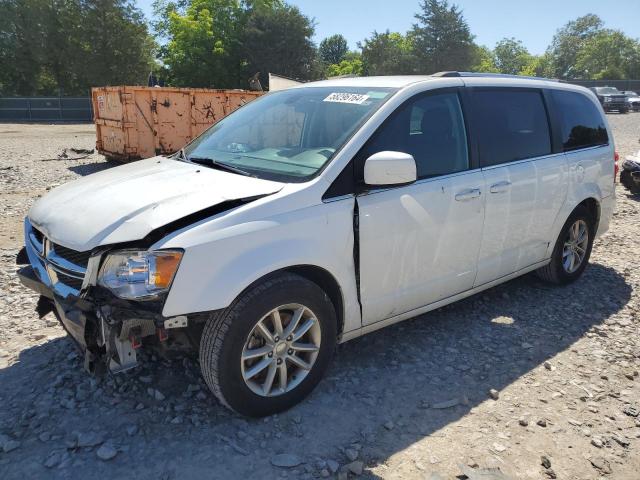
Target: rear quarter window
x,y
581,124
511,125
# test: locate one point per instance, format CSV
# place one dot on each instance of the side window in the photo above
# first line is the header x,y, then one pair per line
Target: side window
x,y
511,125
431,129
581,123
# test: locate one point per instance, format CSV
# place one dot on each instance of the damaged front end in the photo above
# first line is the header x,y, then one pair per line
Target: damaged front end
x,y
107,329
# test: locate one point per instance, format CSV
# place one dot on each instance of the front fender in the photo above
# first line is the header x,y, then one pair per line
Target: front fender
x,y
218,264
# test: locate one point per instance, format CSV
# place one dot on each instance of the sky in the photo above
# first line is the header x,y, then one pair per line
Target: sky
x,y
533,22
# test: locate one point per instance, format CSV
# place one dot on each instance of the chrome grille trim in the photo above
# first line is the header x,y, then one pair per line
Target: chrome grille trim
x,y
62,276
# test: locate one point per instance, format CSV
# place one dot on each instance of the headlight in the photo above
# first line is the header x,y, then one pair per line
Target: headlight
x,y
607,99
137,274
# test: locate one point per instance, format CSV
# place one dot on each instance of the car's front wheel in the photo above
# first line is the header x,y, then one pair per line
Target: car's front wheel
x,y
270,347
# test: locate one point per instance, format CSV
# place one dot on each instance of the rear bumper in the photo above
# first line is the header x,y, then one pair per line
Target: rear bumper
x,y
615,106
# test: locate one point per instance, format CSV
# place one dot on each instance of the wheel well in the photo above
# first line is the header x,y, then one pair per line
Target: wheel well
x,y
592,205
328,283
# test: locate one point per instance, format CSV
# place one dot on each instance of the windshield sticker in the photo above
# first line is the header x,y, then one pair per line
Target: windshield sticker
x,y
354,98
377,94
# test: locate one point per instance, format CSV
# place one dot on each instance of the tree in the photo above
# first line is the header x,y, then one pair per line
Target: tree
x,y
278,40
609,54
333,49
350,65
121,50
511,56
569,40
66,46
443,40
538,66
388,53
203,41
484,60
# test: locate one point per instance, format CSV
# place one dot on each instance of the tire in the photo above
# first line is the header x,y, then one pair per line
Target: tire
x,y
627,180
554,271
228,334
624,110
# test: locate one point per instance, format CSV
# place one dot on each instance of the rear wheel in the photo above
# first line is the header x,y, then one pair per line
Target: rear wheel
x,y
270,348
572,249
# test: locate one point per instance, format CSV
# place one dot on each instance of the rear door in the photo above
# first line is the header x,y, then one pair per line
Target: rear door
x,y
419,243
525,179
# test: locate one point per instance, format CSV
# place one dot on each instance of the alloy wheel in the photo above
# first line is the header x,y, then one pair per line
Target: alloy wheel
x,y
281,350
575,246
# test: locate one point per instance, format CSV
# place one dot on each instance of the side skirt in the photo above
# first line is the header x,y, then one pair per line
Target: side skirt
x,y
345,337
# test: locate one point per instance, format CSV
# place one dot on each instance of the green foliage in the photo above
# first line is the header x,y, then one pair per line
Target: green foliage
x,y
388,53
333,49
568,41
66,46
220,43
202,41
351,65
278,40
442,38
538,66
511,57
609,54
483,60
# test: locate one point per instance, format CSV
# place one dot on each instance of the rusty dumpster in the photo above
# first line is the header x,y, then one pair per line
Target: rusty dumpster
x,y
140,122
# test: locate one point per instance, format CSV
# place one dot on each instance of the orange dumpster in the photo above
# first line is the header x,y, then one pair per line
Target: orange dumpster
x,y
141,122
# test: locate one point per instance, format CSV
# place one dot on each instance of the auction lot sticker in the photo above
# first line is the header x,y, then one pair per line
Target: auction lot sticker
x,y
355,98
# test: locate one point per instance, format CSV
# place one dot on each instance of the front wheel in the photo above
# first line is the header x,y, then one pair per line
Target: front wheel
x,y
572,249
270,347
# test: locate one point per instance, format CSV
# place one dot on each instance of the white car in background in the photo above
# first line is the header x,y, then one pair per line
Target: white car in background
x,y
320,213
633,99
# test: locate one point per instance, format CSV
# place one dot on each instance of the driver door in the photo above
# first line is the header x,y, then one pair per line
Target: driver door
x,y
419,243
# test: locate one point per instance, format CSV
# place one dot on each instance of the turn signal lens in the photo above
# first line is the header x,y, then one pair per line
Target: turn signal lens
x,y
162,268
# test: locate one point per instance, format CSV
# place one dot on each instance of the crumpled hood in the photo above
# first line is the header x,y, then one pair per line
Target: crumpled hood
x,y
127,202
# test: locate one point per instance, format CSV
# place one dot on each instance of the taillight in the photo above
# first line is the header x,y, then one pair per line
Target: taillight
x,y
616,168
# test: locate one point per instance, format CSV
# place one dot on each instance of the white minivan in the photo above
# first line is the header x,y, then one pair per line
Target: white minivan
x,y
317,214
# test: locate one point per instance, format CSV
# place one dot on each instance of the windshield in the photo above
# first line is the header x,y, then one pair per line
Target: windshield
x,y
607,90
288,135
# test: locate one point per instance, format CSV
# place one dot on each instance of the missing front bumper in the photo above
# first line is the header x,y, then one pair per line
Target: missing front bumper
x,y
106,340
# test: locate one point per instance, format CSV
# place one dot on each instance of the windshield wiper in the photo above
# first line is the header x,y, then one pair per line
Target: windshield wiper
x,y
210,162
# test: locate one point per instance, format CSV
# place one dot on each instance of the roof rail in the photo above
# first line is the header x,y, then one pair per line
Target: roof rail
x,y
489,75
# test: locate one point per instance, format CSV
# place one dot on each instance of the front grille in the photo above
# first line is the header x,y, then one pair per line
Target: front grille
x,y
69,281
60,267
37,234
77,258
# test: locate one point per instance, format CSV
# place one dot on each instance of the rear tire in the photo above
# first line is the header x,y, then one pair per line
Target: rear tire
x,y
233,334
556,270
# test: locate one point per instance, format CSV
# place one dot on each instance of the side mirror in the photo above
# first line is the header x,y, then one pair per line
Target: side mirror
x,y
390,168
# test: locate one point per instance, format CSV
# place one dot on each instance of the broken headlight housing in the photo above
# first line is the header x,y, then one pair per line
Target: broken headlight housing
x,y
132,274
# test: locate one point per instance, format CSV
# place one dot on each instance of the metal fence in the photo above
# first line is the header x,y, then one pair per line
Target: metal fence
x,y
45,109
632,85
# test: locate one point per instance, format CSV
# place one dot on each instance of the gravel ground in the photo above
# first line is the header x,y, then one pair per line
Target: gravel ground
x,y
533,380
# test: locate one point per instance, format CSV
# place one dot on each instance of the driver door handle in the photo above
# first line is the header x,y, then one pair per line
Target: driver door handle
x,y
500,187
468,194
